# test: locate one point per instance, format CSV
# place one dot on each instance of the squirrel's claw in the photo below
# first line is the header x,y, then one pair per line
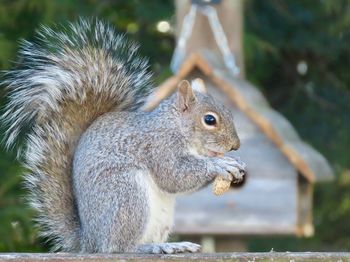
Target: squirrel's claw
x,y
229,168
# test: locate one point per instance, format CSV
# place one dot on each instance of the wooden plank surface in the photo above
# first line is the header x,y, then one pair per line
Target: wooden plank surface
x,y
262,206
233,257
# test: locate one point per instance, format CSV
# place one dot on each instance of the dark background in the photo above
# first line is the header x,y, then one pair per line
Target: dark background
x,y
279,35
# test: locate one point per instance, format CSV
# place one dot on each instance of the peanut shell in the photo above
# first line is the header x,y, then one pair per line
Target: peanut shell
x,y
220,186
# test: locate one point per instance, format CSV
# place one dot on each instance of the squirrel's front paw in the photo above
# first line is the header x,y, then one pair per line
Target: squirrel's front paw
x,y
229,168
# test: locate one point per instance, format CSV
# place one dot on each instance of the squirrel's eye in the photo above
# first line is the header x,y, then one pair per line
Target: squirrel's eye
x,y
210,120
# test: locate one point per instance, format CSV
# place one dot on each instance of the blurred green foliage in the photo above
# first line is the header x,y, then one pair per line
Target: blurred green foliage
x,y
279,36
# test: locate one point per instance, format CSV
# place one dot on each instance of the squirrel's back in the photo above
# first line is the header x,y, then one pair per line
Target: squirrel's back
x,y
64,81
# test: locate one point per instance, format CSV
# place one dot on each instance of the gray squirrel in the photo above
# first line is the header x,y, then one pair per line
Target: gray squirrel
x,y
103,173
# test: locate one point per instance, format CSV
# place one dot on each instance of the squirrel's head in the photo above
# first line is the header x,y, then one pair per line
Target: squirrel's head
x,y
207,123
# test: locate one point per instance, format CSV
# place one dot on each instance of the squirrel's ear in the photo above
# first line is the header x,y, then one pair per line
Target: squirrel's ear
x,y
185,95
199,86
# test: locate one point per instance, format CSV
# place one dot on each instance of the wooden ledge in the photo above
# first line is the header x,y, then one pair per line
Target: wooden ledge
x,y
269,256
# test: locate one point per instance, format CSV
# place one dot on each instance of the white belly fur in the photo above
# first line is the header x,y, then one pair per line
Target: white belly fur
x,y
161,205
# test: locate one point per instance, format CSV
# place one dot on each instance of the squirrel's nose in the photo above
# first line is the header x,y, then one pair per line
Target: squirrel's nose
x,y
233,148
236,145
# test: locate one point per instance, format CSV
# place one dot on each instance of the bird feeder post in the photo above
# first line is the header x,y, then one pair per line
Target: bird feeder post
x,y
230,14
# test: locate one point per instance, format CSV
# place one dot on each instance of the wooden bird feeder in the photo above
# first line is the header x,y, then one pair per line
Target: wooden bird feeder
x,y
277,196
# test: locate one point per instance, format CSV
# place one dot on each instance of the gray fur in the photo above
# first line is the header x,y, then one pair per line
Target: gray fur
x,y
103,173
66,80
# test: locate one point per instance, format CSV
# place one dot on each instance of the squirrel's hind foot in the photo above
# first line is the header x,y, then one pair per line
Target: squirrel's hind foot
x,y
169,248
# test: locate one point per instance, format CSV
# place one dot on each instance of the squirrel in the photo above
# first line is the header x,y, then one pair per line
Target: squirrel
x,y
103,173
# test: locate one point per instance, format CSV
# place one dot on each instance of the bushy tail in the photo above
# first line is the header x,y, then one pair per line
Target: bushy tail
x,y
63,83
